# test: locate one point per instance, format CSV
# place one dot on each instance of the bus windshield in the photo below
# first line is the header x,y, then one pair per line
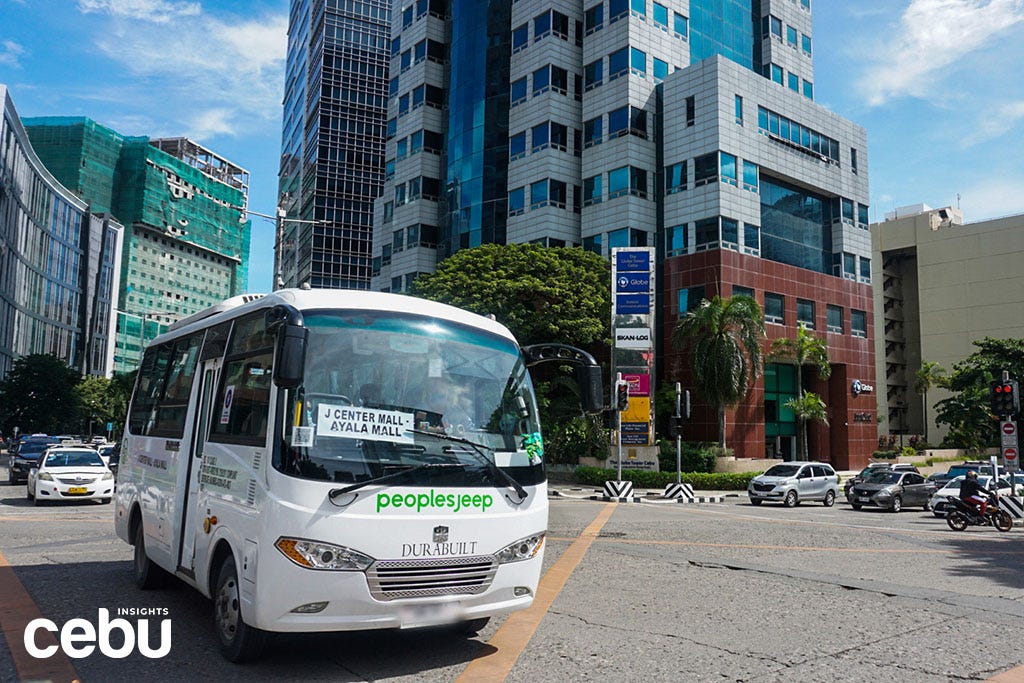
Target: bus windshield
x,y
385,392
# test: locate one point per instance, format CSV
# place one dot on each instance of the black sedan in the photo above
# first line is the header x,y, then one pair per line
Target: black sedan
x,y
892,490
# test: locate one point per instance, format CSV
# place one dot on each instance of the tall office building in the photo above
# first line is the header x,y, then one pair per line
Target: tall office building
x,y
59,270
689,127
332,148
187,242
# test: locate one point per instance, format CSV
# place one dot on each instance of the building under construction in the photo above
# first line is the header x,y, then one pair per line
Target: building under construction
x,y
187,240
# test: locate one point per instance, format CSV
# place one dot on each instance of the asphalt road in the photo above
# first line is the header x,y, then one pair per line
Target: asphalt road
x,y
713,592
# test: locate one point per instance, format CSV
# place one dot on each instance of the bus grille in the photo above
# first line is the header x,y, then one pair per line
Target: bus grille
x,y
394,579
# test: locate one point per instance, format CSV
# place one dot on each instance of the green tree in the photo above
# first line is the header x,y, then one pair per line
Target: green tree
x,y
121,387
967,412
723,337
929,375
542,294
805,350
40,395
808,408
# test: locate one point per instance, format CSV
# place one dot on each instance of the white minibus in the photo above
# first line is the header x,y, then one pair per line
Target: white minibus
x,y
328,460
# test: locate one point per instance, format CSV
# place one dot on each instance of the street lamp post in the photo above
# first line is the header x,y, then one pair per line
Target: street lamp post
x,y
280,218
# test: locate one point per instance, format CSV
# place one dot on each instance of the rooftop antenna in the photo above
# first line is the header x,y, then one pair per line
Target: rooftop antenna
x,y
957,201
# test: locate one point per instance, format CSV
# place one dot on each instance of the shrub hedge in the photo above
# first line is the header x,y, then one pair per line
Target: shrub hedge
x,y
703,481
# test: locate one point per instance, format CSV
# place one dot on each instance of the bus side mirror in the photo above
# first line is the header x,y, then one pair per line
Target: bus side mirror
x,y
591,388
290,361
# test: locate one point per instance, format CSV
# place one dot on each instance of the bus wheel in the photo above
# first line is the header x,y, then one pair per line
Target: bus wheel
x,y
239,642
146,574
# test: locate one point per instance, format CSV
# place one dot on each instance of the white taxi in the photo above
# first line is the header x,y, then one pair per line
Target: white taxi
x,y
70,474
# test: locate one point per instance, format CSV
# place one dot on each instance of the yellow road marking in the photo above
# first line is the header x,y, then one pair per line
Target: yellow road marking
x,y
514,635
17,609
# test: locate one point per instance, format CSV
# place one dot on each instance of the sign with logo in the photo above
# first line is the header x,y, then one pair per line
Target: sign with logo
x,y
632,304
861,388
639,385
635,434
633,261
633,282
633,338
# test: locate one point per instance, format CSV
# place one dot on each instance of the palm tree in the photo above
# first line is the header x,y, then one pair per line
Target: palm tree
x,y
929,375
808,408
806,349
724,338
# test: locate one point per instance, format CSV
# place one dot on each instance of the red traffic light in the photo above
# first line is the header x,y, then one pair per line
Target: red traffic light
x,y
1007,389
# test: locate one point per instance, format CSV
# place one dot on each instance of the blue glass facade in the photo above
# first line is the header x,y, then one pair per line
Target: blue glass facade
x,y
725,27
795,226
477,125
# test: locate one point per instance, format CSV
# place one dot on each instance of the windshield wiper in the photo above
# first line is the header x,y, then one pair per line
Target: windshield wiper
x,y
482,456
394,475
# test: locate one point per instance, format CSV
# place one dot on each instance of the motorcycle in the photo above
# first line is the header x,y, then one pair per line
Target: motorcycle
x,y
960,515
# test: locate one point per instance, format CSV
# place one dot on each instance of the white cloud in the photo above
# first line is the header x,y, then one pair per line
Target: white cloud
x,y
157,11
934,34
995,122
228,70
10,52
993,198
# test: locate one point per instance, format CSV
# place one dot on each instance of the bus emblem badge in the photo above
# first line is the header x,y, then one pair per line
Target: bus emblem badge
x,y
440,534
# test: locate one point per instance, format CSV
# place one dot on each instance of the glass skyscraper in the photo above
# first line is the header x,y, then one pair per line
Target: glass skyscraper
x,y
332,147
689,127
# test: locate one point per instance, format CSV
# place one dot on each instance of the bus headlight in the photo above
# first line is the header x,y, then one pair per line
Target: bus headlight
x,y
316,555
523,549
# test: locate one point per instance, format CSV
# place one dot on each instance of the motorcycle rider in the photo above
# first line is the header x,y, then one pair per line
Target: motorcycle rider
x,y
972,493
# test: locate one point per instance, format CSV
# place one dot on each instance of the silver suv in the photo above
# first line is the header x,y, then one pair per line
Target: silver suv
x,y
794,482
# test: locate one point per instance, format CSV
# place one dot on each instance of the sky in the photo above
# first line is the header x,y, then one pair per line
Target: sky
x,y
936,84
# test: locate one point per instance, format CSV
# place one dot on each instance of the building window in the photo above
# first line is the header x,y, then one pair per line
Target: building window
x,y
520,37
617,9
858,323
834,322
638,182
738,290
739,110
805,41
690,298
593,244
539,194
518,91
749,176
592,190
593,18
618,63
751,239
517,146
618,238
638,122
593,132
791,35
705,169
728,167
730,233
808,90
805,313
660,16
675,178
853,159
675,240
618,183
660,70
541,80
865,270
618,122
793,82
706,232
691,106
540,137
541,25
638,61
516,201
680,25
397,241
775,73
774,308
593,74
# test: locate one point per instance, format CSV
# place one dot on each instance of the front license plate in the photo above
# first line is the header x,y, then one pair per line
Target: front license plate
x,y
864,499
77,490
417,616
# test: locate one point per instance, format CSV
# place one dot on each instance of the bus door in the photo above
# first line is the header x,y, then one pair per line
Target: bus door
x,y
190,517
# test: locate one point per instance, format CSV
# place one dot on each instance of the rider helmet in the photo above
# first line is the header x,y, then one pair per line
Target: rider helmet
x,y
971,474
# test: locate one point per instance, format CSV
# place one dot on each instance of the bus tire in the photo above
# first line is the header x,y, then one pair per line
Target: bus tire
x,y
471,627
145,572
239,642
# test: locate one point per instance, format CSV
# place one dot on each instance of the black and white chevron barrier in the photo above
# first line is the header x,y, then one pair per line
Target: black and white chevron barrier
x,y
1014,505
678,491
620,491
702,499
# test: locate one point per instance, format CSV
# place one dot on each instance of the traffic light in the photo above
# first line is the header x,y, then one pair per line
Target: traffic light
x,y
1004,398
622,395
675,426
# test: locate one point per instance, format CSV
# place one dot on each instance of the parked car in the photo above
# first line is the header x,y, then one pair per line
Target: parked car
x,y
105,449
791,483
979,466
952,488
29,449
892,490
66,473
876,467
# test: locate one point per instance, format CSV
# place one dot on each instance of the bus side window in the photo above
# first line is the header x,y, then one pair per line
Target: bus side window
x,y
243,403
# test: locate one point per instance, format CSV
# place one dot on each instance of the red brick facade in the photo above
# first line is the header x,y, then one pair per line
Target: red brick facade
x,y
851,436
